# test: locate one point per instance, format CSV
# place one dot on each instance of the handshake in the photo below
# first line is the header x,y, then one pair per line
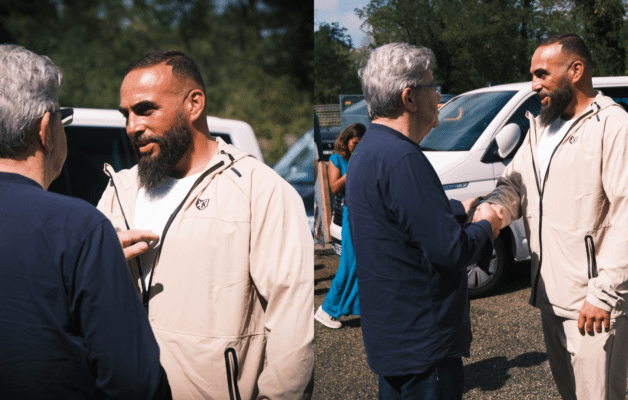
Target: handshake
x,y
493,213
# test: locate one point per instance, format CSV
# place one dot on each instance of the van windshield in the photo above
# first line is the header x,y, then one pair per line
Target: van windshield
x,y
297,165
463,119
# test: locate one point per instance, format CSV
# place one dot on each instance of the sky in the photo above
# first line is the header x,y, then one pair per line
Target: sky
x,y
341,11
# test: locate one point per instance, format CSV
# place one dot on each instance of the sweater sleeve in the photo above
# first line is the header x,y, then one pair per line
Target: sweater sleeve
x,y
282,268
417,200
608,289
123,353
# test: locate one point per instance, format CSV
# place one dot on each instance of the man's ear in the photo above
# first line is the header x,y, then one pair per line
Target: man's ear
x,y
576,71
43,127
408,100
195,104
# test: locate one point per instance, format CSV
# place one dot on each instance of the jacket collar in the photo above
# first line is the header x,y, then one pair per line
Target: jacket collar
x,y
126,183
599,103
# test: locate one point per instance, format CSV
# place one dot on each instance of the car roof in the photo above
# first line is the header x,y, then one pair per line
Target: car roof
x,y
527,86
241,133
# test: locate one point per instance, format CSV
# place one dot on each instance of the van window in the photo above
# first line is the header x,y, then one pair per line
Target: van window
x,y
297,165
619,94
463,119
224,136
89,148
533,104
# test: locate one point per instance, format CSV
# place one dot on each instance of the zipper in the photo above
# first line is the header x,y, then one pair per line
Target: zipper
x,y
138,262
146,290
146,293
591,263
541,189
231,359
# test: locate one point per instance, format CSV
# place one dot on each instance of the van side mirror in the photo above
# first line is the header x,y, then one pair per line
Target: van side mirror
x,y
503,144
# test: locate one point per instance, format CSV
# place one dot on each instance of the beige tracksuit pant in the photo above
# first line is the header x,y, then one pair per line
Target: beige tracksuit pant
x,y
587,367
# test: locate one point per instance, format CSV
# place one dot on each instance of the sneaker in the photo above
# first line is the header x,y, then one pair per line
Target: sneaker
x,y
326,319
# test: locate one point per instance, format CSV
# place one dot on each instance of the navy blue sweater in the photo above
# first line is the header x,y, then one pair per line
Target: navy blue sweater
x,y
411,253
71,323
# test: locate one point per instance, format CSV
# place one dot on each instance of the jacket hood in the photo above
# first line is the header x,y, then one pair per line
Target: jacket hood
x,y
127,181
600,102
227,154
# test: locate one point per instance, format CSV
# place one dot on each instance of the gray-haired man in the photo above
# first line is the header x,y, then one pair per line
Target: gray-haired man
x,y
72,324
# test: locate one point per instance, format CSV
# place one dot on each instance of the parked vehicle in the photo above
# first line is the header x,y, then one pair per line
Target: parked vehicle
x,y
297,165
479,133
96,137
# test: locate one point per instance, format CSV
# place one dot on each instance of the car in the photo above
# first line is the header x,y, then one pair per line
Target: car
x,y
297,165
479,133
98,136
444,98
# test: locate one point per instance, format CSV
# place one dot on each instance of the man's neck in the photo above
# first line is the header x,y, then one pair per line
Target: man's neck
x,y
200,154
28,168
581,102
403,124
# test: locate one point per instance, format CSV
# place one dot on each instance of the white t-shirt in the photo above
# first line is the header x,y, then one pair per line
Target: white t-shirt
x,y
552,136
152,211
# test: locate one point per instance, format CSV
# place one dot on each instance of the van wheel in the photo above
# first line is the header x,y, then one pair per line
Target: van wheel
x,y
483,281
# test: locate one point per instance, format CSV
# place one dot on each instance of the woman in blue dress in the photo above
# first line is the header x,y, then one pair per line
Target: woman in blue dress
x,y
342,298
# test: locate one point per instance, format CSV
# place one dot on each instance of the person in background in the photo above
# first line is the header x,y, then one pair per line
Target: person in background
x,y
569,182
72,324
227,277
342,298
411,246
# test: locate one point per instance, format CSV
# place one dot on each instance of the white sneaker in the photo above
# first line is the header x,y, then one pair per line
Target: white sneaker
x,y
326,319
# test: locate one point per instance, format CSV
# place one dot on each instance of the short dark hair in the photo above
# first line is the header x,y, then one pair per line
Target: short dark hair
x,y
571,43
182,65
340,145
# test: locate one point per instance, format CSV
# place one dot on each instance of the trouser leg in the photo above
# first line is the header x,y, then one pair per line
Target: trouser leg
x,y
559,358
444,381
587,367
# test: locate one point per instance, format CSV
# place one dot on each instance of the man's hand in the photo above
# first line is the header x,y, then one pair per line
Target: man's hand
x,y
492,214
135,242
591,315
470,205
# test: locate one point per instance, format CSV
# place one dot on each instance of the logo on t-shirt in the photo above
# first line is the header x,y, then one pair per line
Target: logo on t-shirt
x,y
573,139
202,204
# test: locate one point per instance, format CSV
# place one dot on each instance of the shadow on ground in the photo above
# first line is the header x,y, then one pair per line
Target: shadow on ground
x,y
492,373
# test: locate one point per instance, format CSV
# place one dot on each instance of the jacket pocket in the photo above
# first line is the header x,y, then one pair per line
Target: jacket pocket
x,y
231,361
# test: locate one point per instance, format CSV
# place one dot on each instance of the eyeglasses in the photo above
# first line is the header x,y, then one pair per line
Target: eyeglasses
x,y
67,115
436,86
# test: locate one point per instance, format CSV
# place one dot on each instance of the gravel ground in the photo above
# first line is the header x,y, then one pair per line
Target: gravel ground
x,y
508,359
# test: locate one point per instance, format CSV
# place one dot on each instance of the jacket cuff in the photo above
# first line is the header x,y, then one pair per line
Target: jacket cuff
x,y
594,301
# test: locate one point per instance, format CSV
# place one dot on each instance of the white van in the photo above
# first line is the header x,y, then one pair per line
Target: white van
x,y
479,133
96,137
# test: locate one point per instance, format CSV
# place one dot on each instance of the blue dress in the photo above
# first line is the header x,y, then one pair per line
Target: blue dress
x,y
342,298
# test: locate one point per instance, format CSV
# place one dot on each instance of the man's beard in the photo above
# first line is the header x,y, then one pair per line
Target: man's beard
x,y
559,100
172,145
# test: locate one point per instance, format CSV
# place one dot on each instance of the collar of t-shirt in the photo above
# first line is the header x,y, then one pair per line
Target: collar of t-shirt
x,y
550,139
153,209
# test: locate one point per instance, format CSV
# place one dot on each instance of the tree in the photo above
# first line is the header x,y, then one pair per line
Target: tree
x,y
476,42
335,69
93,41
605,34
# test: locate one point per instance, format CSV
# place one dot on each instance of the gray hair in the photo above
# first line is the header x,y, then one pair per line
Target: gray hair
x,y
28,88
390,69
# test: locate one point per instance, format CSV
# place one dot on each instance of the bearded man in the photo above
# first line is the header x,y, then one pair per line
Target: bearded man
x,y
218,245
569,181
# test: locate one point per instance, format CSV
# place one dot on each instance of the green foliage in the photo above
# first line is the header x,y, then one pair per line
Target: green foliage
x,y
256,57
335,68
605,32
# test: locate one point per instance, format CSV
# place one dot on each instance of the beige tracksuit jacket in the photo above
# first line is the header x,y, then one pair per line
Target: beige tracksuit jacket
x,y
585,192
234,282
